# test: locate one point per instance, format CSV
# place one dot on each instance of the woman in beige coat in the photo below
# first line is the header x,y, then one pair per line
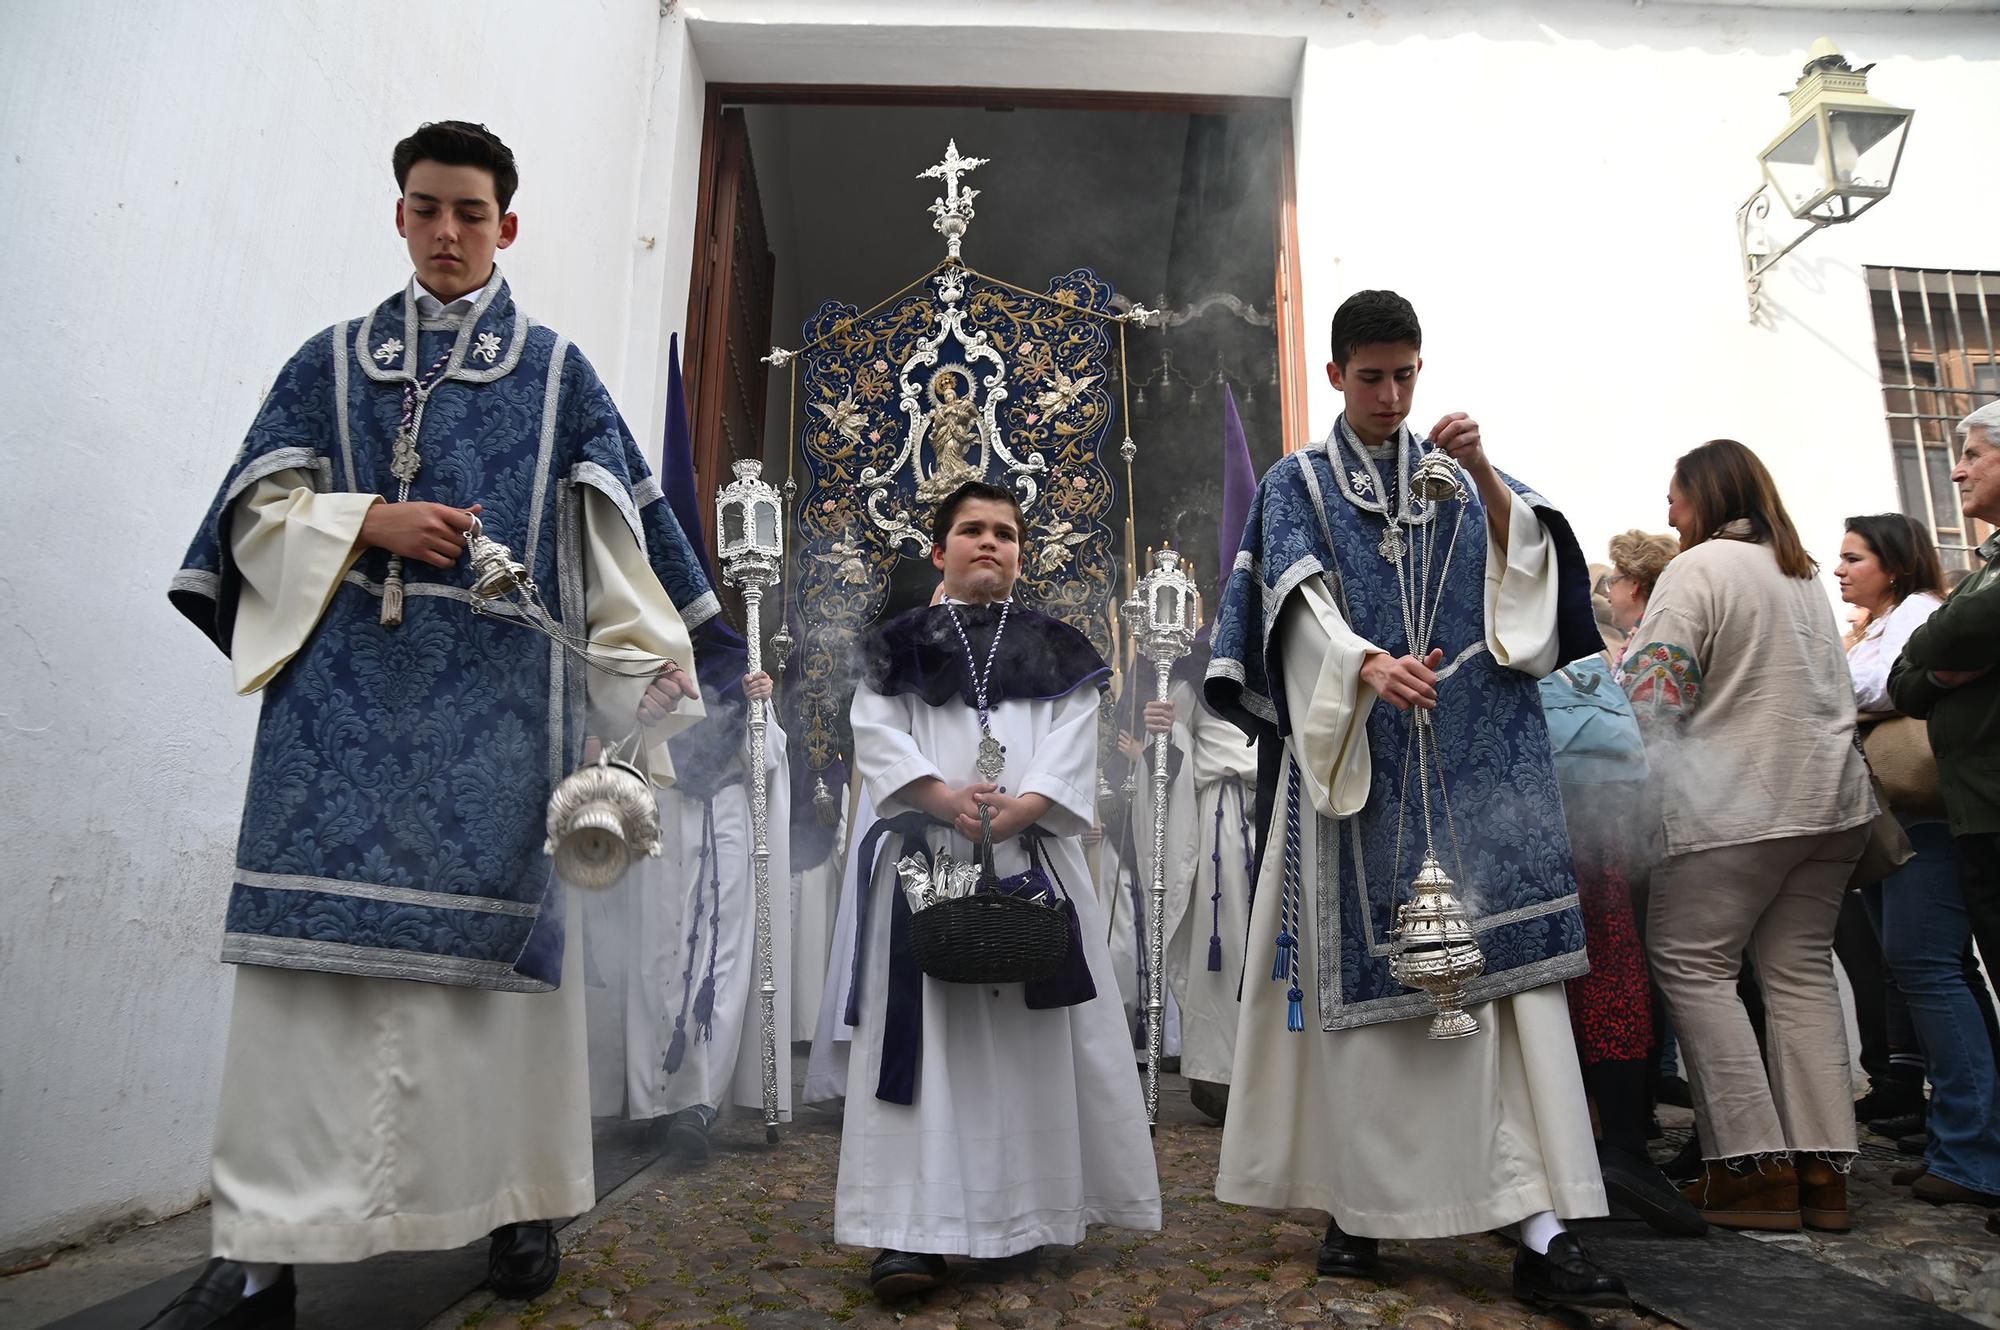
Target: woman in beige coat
x,y
1739,675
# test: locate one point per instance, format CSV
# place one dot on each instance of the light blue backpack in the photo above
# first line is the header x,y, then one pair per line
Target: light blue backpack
x,y
1591,726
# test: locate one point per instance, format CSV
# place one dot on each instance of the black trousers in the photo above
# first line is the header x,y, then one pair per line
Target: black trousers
x,y
1979,879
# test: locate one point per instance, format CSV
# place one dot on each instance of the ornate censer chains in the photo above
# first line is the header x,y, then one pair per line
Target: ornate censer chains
x,y
497,577
403,465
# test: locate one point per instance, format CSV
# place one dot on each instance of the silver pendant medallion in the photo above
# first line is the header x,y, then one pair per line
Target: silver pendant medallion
x,y
992,758
1393,546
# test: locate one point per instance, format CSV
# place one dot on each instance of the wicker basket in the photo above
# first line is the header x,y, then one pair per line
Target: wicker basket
x,y
1006,932
990,937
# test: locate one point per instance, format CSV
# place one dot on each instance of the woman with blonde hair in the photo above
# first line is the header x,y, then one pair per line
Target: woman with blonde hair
x,y
1637,560
1739,673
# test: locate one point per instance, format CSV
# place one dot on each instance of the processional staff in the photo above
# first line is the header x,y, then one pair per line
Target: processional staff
x,y
751,548
1164,619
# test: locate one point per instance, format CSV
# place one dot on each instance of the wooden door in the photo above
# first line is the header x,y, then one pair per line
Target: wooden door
x,y
729,313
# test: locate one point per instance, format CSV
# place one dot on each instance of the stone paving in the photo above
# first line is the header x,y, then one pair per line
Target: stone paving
x,y
745,1242
1938,1254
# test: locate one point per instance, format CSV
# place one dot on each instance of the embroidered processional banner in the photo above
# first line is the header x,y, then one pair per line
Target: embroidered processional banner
x,y
971,379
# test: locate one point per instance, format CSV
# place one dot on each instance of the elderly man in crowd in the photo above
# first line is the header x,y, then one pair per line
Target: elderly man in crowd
x,y
1946,674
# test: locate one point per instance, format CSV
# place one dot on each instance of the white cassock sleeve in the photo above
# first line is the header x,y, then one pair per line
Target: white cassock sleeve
x,y
1063,769
292,545
1521,594
885,755
1325,698
628,614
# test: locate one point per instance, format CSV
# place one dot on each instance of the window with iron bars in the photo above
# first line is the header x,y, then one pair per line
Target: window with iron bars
x,y
1934,338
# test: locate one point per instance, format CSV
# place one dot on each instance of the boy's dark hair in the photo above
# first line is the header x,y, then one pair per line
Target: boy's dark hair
x,y
947,510
1368,317
459,143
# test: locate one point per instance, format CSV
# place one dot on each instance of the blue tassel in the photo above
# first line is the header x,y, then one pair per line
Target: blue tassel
x,y
1295,1015
1281,968
1214,952
677,1049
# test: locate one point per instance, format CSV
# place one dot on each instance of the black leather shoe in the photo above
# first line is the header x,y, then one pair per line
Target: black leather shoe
x,y
522,1260
1673,1090
1344,1256
687,1135
1637,1184
1566,1277
1210,1098
1901,1125
898,1274
1917,1143
1890,1099
215,1301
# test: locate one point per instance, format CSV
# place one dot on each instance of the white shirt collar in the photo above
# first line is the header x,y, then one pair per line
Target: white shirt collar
x,y
430,307
954,600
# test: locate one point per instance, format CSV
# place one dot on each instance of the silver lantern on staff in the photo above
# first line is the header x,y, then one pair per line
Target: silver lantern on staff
x,y
750,546
1432,947
1169,612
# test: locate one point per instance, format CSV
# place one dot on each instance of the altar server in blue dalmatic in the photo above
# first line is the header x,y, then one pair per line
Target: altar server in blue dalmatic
x,y
405,1066
982,1120
1339,1102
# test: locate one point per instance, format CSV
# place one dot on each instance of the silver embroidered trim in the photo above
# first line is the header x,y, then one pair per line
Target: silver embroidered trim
x,y
279,459
551,398
197,580
298,953
443,900
700,610
567,695
648,491
1471,650
1244,559
612,488
340,377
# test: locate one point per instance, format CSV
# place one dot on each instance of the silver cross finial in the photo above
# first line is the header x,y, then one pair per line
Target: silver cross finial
x,y
951,212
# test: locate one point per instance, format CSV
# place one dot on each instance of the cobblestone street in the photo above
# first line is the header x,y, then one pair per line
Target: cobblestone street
x,y
746,1242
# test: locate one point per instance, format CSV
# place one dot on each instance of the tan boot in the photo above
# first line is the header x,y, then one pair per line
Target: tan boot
x,y
1822,1195
1765,1195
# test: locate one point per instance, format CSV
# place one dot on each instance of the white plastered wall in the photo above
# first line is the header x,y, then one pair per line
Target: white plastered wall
x,y
190,192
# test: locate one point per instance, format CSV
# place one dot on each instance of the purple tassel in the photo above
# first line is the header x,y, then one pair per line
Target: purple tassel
x,y
704,1006
1214,952
1295,1016
677,1049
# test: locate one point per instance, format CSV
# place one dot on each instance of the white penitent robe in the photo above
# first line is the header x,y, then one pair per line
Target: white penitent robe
x,y
359,1115
1208,879
815,902
826,1065
1130,909
1025,1126
649,949
1394,1134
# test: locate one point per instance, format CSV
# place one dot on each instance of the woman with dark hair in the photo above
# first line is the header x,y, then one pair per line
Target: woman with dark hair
x,y
1738,672
1889,570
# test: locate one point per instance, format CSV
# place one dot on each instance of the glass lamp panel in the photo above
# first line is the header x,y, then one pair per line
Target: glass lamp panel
x,y
732,526
1796,166
767,527
1864,146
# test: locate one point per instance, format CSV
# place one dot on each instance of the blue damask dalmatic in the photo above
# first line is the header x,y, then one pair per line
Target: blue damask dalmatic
x,y
394,820
1325,516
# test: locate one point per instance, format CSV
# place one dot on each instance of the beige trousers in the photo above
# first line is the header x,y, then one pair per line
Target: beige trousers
x,y
1778,899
